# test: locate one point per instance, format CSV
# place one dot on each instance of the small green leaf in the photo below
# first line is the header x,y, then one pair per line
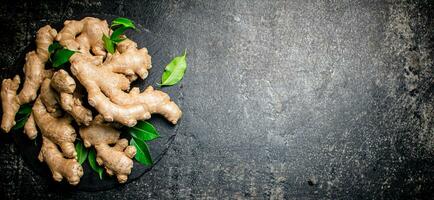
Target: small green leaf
x,y
144,131
25,109
93,164
142,154
117,33
125,22
174,71
22,115
61,57
81,152
108,44
121,24
54,46
20,123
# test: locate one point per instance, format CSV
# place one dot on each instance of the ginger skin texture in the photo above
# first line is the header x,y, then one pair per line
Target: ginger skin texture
x,y
69,98
62,98
49,96
34,70
106,92
84,35
117,160
30,128
10,104
58,130
60,167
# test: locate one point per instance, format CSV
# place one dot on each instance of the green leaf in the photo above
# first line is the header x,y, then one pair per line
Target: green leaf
x,y
117,33
25,109
61,57
174,71
81,152
108,44
20,123
144,131
93,164
122,25
54,46
117,40
142,155
22,115
124,22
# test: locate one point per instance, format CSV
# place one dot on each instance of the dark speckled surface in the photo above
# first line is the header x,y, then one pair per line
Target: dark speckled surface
x,y
282,99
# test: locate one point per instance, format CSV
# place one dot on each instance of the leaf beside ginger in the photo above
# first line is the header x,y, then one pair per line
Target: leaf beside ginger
x,y
142,155
82,152
59,55
93,164
20,123
122,21
22,115
121,24
144,131
108,44
174,71
54,46
25,109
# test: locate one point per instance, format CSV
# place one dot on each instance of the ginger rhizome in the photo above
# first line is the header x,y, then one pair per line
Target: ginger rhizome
x,y
62,99
60,166
35,73
116,160
70,98
107,91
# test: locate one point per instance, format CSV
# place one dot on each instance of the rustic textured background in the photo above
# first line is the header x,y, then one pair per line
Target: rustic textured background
x,y
282,99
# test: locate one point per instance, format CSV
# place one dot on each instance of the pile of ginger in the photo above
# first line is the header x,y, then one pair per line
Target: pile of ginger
x,y
58,99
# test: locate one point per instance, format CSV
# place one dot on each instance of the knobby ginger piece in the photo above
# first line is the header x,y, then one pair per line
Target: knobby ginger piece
x,y
129,60
57,130
156,102
62,82
84,35
117,160
106,89
34,75
49,97
30,128
60,167
10,104
35,63
44,38
34,70
72,104
70,98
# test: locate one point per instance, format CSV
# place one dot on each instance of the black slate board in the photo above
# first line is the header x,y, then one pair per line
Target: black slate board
x,y
90,180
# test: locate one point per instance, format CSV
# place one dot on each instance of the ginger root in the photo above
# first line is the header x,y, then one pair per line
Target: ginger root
x,y
70,99
106,92
101,78
60,167
34,70
84,35
117,160
58,130
10,104
49,97
30,128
